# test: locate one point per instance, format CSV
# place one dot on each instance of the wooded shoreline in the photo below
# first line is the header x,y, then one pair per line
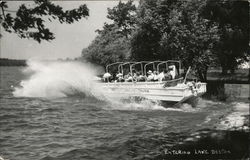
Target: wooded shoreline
x,y
12,62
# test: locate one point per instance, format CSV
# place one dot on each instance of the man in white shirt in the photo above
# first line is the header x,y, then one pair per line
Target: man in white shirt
x,y
156,76
161,76
173,71
150,76
107,77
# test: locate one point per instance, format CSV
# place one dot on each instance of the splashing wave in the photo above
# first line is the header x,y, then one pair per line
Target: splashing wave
x,y
57,79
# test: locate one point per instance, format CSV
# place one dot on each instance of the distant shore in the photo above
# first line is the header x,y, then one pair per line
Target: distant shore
x,y
12,62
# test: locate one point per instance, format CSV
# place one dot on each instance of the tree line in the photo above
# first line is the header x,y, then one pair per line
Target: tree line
x,y
12,62
200,33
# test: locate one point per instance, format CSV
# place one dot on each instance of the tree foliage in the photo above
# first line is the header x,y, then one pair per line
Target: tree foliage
x,y
233,21
178,33
123,15
108,47
112,43
200,33
29,22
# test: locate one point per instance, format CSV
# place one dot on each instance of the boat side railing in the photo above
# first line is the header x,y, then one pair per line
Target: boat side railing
x,y
168,83
173,82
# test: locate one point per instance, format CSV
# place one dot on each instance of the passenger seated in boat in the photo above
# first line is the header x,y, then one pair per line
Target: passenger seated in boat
x,y
150,76
167,75
135,76
107,77
119,77
128,77
161,76
155,76
140,77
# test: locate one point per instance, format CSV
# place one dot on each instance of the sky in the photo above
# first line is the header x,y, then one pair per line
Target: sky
x,y
70,38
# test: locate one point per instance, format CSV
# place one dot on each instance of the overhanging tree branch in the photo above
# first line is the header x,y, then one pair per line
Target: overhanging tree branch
x,y
30,22
2,10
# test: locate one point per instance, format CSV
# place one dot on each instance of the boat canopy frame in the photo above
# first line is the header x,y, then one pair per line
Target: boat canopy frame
x,y
123,64
152,62
143,69
136,63
109,65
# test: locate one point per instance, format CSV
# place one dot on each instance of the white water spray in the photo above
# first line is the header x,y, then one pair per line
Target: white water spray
x,y
52,79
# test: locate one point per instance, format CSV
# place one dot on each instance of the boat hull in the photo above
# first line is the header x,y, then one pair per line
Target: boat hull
x,y
154,91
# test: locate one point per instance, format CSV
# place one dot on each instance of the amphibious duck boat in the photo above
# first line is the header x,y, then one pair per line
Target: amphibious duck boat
x,y
176,89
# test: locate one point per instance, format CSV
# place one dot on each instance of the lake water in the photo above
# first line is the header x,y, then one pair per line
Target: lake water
x,y
87,127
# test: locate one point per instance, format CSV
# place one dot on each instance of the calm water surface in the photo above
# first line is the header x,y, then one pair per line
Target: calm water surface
x,y
75,127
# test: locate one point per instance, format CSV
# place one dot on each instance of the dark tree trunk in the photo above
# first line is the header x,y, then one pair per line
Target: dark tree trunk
x,y
202,76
